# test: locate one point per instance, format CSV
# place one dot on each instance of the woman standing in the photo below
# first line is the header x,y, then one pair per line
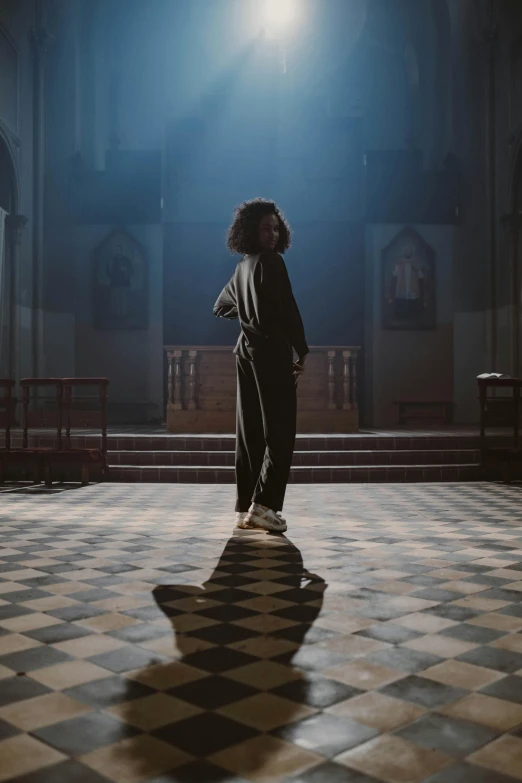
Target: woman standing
x,y
259,294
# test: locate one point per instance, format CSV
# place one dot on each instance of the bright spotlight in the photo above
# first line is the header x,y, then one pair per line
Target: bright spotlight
x,y
279,14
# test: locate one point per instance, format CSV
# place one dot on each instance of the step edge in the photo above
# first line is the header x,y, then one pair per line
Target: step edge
x,y
303,467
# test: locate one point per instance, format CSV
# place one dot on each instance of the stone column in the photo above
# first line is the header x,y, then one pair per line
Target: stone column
x,y
40,40
489,34
15,225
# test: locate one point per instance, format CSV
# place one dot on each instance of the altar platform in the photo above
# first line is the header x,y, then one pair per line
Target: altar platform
x,y
151,454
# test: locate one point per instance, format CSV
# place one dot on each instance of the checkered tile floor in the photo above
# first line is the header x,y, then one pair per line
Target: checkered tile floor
x,y
142,639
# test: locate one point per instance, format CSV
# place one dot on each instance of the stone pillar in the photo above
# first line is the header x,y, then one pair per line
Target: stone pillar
x,y
15,225
489,34
40,40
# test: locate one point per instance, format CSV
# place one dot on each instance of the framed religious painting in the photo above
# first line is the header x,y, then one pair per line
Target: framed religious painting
x,y
408,294
120,290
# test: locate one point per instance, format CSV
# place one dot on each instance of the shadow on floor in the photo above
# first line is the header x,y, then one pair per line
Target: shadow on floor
x,y
233,688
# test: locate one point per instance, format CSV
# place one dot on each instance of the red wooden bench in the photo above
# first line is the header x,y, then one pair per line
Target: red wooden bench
x,y
26,463
61,462
51,457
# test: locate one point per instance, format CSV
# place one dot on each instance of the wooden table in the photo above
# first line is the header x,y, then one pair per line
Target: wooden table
x,y
503,460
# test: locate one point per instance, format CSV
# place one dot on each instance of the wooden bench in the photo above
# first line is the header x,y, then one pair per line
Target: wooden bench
x,y
440,411
27,463
53,457
61,463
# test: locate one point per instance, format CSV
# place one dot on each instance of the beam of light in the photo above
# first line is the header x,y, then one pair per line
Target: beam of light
x,y
279,14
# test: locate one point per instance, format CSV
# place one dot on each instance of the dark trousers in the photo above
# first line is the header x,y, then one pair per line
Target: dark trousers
x,y
265,429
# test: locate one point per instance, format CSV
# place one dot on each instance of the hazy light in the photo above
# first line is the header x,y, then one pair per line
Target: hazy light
x,y
279,14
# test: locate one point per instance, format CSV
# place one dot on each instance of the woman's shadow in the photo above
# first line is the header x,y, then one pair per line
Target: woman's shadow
x,y
233,683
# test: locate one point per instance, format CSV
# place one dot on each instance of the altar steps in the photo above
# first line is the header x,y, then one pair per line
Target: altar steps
x,y
302,475
224,459
317,459
362,457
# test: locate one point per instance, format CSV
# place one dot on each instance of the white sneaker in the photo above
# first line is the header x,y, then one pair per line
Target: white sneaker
x,y
240,517
264,518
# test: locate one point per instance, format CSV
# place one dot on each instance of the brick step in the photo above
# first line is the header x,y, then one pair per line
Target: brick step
x,y
301,458
219,443
303,443
314,475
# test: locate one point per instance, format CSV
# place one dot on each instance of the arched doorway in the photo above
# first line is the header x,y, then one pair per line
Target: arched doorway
x,y
8,206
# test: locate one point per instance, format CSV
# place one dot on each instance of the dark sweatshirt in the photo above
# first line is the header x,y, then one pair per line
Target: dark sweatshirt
x,y
259,293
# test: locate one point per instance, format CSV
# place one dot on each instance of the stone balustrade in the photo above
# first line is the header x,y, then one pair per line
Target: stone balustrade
x,y
202,390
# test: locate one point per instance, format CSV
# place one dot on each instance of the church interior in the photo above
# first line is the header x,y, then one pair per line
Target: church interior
x,y
379,640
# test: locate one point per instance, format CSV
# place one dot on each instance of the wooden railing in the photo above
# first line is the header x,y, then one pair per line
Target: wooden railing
x,y
202,389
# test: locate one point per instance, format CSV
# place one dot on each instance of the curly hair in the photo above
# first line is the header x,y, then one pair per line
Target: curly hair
x,y
242,235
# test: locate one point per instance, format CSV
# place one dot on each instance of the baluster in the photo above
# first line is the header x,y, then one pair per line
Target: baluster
x,y
25,403
68,403
192,380
59,413
354,381
103,405
8,396
174,358
177,381
331,380
170,378
347,381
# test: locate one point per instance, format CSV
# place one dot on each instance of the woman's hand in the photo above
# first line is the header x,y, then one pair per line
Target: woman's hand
x,y
299,368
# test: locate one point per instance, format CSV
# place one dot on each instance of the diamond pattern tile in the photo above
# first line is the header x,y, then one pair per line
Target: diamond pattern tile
x,y
143,639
